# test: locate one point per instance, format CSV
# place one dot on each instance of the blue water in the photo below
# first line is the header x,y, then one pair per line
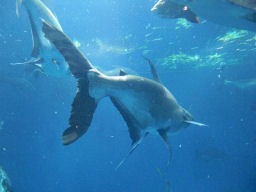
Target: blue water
x,y
34,118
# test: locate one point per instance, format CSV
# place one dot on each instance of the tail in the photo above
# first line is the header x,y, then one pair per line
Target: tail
x,y
18,4
84,105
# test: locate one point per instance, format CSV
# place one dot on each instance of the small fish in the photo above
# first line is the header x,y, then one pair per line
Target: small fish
x,y
242,83
240,14
170,9
105,48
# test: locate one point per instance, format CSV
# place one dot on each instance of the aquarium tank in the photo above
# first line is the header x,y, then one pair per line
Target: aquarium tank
x,y
128,96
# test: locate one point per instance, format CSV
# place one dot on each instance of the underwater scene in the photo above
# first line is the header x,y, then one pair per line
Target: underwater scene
x,y
128,96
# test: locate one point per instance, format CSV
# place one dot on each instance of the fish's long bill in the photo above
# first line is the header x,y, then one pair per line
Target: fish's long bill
x,y
196,123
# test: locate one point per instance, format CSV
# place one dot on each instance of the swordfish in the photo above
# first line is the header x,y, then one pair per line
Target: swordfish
x,y
146,105
45,57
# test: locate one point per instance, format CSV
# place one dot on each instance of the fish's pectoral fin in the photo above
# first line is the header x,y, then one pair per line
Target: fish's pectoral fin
x,y
32,61
153,70
83,108
132,123
133,147
196,123
133,127
164,136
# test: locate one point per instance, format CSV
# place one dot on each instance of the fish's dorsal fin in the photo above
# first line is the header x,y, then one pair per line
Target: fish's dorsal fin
x,y
122,72
153,70
164,136
35,36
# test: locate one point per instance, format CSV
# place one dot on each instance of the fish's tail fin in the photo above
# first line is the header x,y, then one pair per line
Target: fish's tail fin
x,y
18,4
83,108
84,105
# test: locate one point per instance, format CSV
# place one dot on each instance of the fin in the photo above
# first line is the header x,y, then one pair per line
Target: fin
x,y
122,72
78,64
32,61
153,70
84,105
133,147
83,108
131,122
35,36
164,136
196,123
18,4
133,127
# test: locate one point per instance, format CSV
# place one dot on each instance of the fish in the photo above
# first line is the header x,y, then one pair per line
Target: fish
x,y
170,9
44,57
231,13
242,84
146,105
106,48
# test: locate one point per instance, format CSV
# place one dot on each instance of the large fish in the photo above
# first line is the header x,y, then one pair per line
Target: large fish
x,y
239,14
146,105
45,57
